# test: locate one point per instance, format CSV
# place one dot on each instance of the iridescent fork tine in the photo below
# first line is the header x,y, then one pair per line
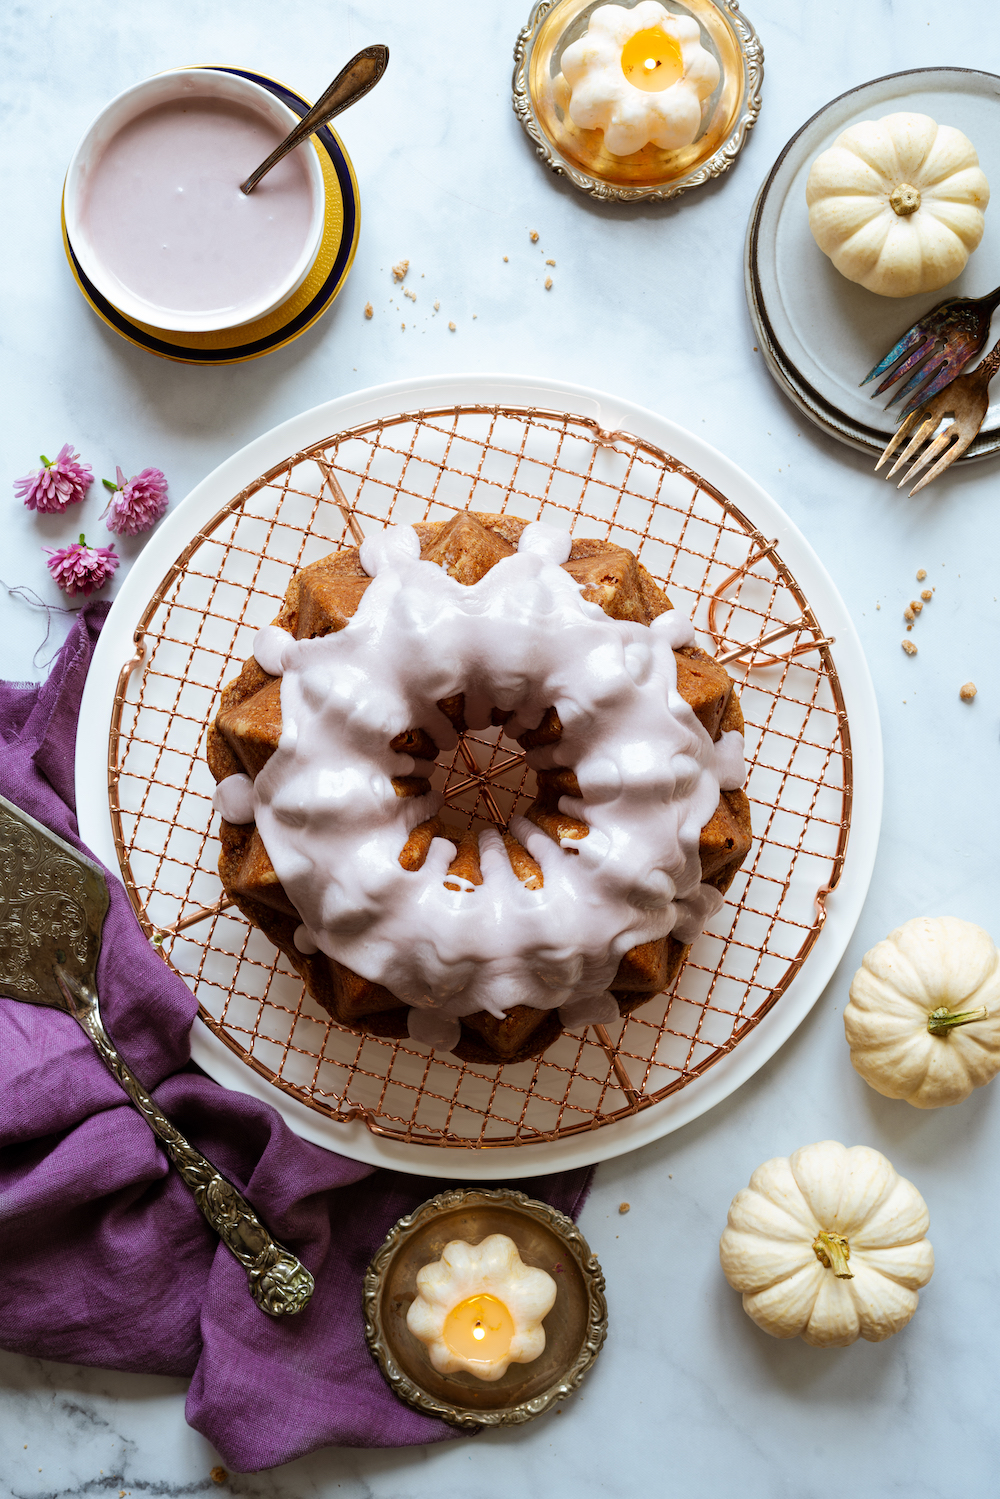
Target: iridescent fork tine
x,y
915,392
923,352
916,334
946,373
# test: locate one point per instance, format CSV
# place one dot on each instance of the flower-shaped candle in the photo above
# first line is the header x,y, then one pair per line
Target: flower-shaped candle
x,y
639,75
480,1308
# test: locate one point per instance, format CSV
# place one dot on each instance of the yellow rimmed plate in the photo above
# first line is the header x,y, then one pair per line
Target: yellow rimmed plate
x,y
303,308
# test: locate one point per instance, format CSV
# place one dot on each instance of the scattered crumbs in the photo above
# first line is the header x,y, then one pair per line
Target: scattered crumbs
x,y
921,574
400,269
559,1412
968,692
474,316
437,306
670,1176
218,1475
926,594
505,262
402,325
623,1207
534,236
422,275
909,614
909,648
878,606
408,293
452,327
908,629
916,606
369,310
755,349
548,283
550,262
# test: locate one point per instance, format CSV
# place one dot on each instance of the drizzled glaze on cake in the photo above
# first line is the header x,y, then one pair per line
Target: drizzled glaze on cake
x,y
522,639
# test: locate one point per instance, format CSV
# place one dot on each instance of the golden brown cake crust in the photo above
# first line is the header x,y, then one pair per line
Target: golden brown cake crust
x,y
322,598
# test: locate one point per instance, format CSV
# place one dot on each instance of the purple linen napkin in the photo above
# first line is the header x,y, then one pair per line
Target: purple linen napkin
x,y
107,1260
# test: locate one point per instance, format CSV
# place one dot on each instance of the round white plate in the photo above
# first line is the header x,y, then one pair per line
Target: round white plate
x,y
819,333
115,647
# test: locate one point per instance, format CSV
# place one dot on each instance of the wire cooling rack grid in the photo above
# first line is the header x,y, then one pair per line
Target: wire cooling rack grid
x,y
230,580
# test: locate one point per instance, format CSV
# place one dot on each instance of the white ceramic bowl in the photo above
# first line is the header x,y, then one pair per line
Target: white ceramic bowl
x,y
193,83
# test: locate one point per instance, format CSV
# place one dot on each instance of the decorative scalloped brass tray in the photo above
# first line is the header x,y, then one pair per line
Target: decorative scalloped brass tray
x,y
651,174
575,1328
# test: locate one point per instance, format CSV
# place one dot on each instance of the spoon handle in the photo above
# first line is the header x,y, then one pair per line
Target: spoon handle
x,y
279,1283
351,84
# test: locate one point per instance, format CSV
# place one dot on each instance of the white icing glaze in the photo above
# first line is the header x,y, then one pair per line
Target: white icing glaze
x,y
233,799
522,638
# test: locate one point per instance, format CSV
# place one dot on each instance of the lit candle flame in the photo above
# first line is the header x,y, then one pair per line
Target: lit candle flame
x,y
479,1331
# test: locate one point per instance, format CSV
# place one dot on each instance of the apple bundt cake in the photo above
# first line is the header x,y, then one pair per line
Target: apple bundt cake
x,y
480,940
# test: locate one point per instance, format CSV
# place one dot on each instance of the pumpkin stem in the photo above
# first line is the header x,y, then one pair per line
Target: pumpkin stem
x,y
833,1251
940,1021
904,199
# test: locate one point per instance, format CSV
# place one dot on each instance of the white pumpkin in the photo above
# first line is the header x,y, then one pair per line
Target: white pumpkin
x,y
923,1021
596,93
898,203
828,1245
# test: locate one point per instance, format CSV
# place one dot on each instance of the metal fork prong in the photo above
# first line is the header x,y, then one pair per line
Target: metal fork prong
x,y
894,442
919,357
919,437
915,392
953,454
899,350
940,443
946,373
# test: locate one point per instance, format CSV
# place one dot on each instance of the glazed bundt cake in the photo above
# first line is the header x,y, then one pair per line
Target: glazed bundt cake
x,y
482,941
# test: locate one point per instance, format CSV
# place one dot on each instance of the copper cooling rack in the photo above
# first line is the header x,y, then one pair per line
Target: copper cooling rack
x,y
747,607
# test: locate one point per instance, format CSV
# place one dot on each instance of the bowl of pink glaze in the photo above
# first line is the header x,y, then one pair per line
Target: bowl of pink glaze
x,y
154,211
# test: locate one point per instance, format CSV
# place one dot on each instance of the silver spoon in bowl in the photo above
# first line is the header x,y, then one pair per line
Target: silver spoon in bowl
x,y
358,78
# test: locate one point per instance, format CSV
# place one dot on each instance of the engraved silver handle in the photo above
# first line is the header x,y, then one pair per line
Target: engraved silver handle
x,y
279,1283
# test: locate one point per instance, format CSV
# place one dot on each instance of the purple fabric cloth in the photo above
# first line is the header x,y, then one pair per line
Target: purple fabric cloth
x,y
107,1260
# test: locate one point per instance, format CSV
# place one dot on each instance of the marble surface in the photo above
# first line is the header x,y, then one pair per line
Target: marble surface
x,y
646,302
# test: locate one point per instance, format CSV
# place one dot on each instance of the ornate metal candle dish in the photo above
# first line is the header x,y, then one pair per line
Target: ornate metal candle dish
x,y
651,174
575,1329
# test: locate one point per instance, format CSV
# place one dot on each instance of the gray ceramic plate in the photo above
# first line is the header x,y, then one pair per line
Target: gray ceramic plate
x,y
819,333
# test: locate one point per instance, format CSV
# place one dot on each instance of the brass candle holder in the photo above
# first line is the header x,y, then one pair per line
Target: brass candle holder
x,y
575,1328
651,174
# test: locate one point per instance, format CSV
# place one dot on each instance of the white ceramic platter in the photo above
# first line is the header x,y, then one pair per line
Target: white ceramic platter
x,y
820,333
116,647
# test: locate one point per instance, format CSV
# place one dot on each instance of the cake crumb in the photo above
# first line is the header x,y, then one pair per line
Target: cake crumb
x,y
916,606
921,574
534,236
452,327
400,269
402,325
623,1207
550,262
909,648
967,692
408,293
909,614
926,595
548,283
369,310
437,306
505,260
218,1475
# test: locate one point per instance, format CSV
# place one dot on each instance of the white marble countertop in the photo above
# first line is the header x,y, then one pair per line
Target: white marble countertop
x,y
648,303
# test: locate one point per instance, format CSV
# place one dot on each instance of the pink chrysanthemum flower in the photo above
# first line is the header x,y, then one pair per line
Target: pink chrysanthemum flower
x,y
80,568
136,503
55,485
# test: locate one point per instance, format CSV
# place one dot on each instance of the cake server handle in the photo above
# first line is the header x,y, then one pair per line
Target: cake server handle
x,y
279,1283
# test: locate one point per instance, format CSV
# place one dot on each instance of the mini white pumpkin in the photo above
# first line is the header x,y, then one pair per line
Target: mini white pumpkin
x,y
490,1270
597,95
898,203
828,1245
923,1021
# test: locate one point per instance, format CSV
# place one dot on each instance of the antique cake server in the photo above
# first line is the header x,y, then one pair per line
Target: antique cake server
x,y
53,902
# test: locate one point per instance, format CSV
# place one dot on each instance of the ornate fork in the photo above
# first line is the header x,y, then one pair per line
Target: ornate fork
x,y
52,907
956,331
966,400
